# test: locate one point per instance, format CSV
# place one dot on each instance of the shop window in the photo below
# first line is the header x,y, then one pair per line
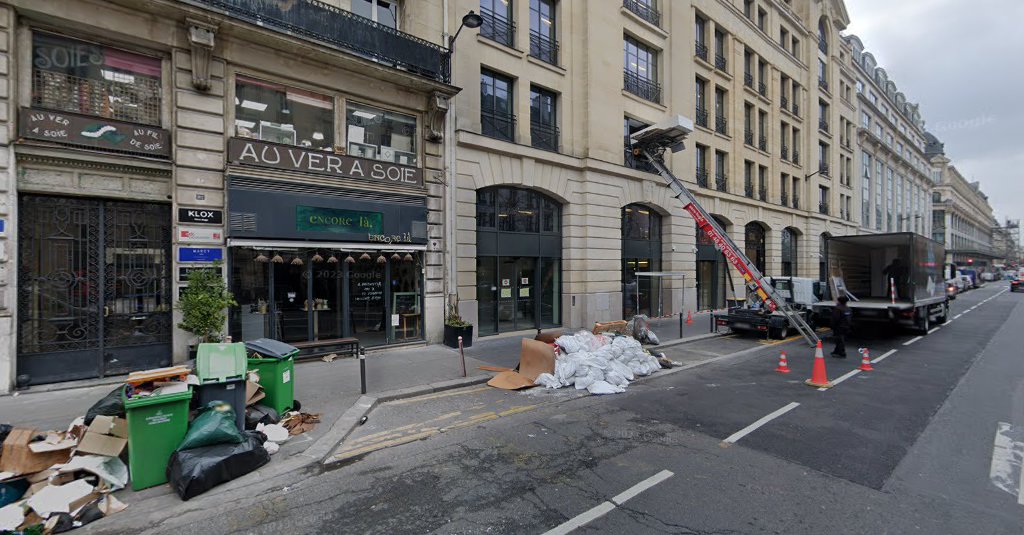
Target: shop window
x,y
381,135
80,77
280,114
382,12
640,223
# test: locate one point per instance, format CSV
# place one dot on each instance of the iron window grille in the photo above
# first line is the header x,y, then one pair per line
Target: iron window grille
x,y
762,89
721,124
702,177
721,182
784,150
762,193
702,117
544,136
784,102
644,10
720,62
783,199
748,80
796,201
497,28
122,97
641,87
748,189
544,48
796,156
823,207
823,169
796,109
498,125
762,143
748,137
822,83
701,50
823,125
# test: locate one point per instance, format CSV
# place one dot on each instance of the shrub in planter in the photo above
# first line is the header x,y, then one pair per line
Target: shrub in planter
x,y
203,304
455,326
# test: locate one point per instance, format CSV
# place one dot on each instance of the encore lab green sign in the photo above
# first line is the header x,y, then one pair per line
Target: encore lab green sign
x,y
314,219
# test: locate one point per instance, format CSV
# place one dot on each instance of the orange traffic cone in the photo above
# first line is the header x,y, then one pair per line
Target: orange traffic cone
x,y
783,364
689,318
865,360
819,378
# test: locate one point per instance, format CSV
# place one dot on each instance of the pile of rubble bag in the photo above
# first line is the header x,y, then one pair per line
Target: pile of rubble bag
x,y
53,482
599,363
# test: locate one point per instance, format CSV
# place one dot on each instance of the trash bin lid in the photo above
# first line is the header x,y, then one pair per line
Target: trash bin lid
x,y
270,348
220,362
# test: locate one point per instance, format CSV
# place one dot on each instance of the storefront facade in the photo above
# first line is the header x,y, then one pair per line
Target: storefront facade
x,y
143,140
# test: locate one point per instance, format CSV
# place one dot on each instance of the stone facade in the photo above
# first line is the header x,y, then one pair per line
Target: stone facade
x,y
962,217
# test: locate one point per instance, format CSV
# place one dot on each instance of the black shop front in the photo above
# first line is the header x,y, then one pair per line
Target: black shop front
x,y
310,262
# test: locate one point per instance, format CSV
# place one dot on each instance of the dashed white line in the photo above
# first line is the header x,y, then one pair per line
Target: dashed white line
x,y
933,330
884,356
912,340
841,378
957,316
604,508
753,427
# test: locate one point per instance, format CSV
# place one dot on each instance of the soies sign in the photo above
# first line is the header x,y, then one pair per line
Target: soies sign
x,y
290,158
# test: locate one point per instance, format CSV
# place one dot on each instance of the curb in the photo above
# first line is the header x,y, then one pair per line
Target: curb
x,y
323,449
688,339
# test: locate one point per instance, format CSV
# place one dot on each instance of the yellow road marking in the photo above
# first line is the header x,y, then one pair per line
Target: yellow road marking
x,y
438,395
389,432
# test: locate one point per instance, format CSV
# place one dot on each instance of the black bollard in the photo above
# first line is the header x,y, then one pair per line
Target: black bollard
x,y
362,370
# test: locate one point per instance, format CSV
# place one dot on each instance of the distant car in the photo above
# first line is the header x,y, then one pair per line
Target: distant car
x,y
952,289
1017,285
988,276
968,283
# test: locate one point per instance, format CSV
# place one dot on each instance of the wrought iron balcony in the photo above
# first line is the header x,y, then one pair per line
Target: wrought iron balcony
x,y
748,80
701,50
720,62
762,193
498,125
721,182
748,137
543,136
796,109
762,143
498,28
796,201
642,87
823,125
644,10
784,151
822,83
721,125
748,190
340,29
823,208
702,117
702,177
796,156
544,48
823,169
784,199
784,102
762,88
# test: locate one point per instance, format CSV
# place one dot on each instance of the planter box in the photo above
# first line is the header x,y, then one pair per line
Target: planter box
x,y
452,334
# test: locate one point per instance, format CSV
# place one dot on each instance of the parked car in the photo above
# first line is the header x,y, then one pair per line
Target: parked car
x,y
952,289
1017,285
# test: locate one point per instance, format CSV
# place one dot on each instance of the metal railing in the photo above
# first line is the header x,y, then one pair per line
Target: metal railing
x,y
702,117
784,151
796,201
497,28
784,199
796,156
721,125
721,182
823,208
702,177
498,125
337,28
748,80
748,189
822,83
544,48
823,169
762,89
720,62
543,136
643,10
641,87
823,125
784,102
762,193
762,143
701,50
796,109
748,137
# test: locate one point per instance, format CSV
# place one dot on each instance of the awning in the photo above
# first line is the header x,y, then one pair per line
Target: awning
x,y
346,246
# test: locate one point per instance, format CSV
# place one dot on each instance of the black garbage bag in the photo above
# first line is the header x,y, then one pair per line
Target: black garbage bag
x,y
195,471
260,414
214,425
5,429
110,405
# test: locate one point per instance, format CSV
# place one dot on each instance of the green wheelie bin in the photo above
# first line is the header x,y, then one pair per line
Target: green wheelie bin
x,y
156,426
275,363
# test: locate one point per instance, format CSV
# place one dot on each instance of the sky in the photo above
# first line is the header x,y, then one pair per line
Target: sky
x,y
963,61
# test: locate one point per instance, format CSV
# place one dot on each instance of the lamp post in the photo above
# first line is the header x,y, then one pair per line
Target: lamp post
x,y
469,20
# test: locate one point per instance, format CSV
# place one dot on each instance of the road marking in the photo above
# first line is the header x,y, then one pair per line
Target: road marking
x,y
957,316
1007,457
884,356
753,427
641,486
606,507
933,330
912,340
841,378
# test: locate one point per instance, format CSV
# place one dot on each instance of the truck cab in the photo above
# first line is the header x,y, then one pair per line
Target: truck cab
x,y
753,317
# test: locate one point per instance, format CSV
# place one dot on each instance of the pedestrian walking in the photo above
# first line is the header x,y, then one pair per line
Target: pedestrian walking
x,y
841,316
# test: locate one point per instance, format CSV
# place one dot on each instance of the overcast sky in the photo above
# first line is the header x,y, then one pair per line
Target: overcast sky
x,y
963,61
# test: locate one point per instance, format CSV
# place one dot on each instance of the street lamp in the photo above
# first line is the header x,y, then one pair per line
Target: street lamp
x,y
469,20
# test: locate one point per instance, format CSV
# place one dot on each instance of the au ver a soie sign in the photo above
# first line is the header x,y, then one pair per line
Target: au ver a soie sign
x,y
291,158
315,219
62,127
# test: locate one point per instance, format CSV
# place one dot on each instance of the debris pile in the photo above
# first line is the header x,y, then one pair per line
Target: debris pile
x,y
598,363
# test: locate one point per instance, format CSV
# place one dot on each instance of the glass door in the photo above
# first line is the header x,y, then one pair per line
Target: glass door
x,y
487,293
326,306
369,315
506,294
291,300
526,308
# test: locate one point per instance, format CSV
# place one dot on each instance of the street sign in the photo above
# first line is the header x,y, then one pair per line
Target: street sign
x,y
200,215
200,254
200,235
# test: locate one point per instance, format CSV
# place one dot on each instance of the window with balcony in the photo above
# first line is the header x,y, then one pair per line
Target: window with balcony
x,y
721,121
784,92
865,120
823,198
543,119
796,99
762,77
823,116
748,124
701,87
748,68
645,9
640,75
823,159
497,118
700,29
630,127
783,138
796,192
762,130
80,77
701,172
386,135
784,190
822,36
382,12
543,44
822,74
721,173
748,178
796,146
498,25
762,183
721,51
280,114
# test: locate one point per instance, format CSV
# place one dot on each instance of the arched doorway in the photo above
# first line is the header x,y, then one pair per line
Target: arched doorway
x,y
641,252
712,270
754,245
790,252
518,260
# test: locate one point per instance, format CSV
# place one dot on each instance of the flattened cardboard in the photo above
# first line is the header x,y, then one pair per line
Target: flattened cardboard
x,y
106,445
110,425
510,381
536,358
253,393
53,442
19,459
59,499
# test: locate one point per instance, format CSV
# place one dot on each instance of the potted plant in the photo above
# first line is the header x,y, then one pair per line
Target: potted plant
x,y
455,326
202,305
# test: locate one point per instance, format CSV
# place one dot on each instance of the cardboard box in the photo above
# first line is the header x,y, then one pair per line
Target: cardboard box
x,y
253,393
18,458
107,435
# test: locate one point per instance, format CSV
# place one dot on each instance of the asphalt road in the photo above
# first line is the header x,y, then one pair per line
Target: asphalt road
x,y
907,448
